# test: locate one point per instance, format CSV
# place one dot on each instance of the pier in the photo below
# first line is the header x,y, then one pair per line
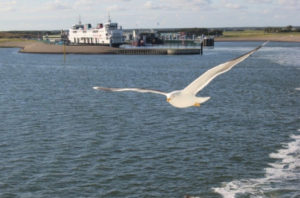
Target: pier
x,y
153,51
43,48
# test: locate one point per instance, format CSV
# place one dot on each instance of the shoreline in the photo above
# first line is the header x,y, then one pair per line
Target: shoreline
x,y
254,40
31,46
43,48
271,37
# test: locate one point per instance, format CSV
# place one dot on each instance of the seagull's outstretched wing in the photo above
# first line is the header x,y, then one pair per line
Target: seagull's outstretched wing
x,y
210,74
132,89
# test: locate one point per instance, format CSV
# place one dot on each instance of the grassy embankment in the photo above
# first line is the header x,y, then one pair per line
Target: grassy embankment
x,y
15,42
15,39
3,40
259,35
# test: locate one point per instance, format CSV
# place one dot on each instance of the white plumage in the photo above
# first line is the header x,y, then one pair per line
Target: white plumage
x,y
187,97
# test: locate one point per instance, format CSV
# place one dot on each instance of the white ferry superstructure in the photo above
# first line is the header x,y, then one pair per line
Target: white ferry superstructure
x,y
104,34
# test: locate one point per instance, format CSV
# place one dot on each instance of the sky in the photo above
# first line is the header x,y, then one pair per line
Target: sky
x,y
62,14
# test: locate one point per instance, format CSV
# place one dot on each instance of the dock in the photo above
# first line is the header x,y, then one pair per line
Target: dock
x,y
43,48
153,51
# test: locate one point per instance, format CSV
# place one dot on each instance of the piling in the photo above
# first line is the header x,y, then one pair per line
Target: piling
x,y
208,41
201,48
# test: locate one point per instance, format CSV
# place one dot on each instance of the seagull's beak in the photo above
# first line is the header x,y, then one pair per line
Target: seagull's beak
x,y
168,99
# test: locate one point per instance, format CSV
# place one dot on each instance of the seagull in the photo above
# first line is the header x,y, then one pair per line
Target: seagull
x,y
186,97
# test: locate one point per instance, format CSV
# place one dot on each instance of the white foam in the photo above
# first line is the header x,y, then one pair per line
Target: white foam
x,y
286,56
297,89
285,169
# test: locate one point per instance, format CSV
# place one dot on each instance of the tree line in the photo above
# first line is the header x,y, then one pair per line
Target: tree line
x,y
288,28
26,34
195,31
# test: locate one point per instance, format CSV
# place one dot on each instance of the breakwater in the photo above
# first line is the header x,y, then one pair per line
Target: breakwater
x,y
153,51
43,48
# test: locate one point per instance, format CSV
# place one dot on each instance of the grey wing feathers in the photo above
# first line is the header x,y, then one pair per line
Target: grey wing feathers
x,y
131,89
212,73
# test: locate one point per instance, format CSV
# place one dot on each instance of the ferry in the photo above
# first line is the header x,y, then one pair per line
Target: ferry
x,y
104,34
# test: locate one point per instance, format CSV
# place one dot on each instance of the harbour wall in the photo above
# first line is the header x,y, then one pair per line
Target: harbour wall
x,y
43,48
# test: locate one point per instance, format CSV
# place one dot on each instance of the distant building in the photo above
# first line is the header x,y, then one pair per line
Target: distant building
x,y
142,37
52,38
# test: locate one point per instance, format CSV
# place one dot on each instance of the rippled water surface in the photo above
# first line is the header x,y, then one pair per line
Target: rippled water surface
x,y
61,138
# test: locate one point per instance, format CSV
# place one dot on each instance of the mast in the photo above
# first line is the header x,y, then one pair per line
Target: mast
x,y
79,21
109,21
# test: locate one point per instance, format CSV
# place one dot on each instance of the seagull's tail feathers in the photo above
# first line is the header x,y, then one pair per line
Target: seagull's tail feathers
x,y
202,99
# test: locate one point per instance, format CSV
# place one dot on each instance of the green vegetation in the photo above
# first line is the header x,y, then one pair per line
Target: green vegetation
x,y
194,31
288,28
26,34
254,33
243,33
10,40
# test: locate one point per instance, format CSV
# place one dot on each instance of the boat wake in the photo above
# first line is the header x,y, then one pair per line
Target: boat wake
x,y
283,55
282,178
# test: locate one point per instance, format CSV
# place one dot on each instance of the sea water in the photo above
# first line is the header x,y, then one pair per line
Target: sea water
x,y
61,138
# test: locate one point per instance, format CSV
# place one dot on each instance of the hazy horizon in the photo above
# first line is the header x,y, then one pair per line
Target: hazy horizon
x,y
62,14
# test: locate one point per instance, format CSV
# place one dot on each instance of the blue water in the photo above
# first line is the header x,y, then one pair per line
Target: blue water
x,y
61,138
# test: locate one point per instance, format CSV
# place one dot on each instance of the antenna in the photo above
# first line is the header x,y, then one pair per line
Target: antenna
x,y
79,22
109,18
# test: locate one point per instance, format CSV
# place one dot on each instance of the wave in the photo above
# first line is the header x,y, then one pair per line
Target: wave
x,y
281,179
297,89
283,55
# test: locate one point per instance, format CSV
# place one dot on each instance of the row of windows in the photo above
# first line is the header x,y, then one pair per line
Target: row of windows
x,y
87,40
94,31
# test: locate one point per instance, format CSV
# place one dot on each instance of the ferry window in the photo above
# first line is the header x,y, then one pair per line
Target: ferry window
x,y
74,31
113,26
84,31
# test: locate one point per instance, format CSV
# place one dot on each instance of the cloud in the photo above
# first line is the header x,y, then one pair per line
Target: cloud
x,y
153,6
266,11
84,4
57,5
260,1
7,6
202,2
230,5
183,5
233,6
277,16
115,8
291,4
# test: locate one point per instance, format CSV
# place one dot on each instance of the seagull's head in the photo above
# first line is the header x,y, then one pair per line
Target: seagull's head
x,y
169,97
172,95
